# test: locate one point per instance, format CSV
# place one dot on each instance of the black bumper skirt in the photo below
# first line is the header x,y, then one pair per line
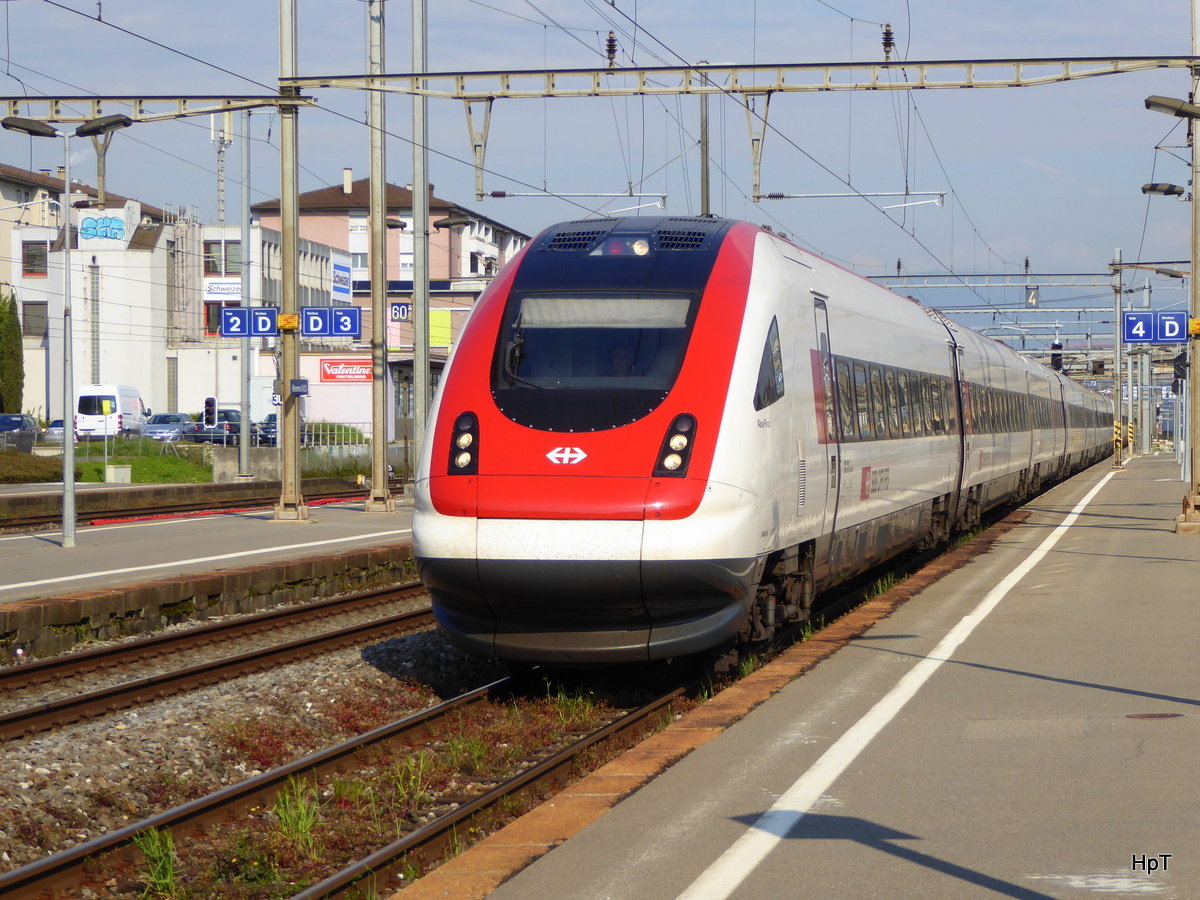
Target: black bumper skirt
x,y
581,612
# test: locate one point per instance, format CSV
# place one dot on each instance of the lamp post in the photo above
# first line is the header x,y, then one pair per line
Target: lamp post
x,y
1189,521
93,128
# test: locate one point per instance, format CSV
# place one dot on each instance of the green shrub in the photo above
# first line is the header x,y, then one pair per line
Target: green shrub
x,y
24,468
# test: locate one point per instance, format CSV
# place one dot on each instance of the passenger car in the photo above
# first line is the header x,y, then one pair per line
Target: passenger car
x,y
268,431
227,430
18,422
169,426
54,432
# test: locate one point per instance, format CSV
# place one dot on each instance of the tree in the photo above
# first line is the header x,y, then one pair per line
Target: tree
x,y
12,356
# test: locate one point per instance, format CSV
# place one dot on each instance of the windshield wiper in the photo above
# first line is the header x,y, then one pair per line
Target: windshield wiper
x,y
513,354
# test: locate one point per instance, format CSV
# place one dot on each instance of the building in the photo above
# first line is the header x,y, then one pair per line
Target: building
x,y
148,286
120,294
466,250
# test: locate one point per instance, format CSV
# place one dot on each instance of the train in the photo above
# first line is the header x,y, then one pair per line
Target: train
x,y
660,437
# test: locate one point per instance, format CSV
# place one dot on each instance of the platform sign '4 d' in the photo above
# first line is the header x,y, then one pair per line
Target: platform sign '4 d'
x,y
1155,327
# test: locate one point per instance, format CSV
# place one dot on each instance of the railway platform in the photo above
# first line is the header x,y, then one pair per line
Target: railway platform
x,y
127,577
1026,727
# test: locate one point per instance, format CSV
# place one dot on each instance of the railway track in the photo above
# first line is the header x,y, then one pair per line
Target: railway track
x,y
113,859
100,861
142,509
52,714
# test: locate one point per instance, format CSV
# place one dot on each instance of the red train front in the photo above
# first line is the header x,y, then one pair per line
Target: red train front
x,y
571,443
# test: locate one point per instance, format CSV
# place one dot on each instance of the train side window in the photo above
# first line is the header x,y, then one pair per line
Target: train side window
x,y
770,370
878,412
947,406
892,401
937,423
827,387
915,403
905,412
845,394
862,400
927,405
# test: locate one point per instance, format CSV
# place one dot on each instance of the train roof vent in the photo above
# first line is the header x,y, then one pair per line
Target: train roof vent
x,y
576,237
686,234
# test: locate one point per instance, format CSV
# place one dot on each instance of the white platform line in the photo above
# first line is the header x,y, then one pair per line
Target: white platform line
x,y
722,878
204,559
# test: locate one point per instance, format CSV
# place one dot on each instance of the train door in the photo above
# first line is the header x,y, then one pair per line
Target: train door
x,y
957,428
826,454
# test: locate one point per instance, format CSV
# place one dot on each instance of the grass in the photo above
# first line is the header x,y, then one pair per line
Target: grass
x,y
297,809
151,463
882,586
159,849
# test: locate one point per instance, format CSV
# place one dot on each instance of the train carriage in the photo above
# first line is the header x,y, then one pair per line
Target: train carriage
x,y
659,436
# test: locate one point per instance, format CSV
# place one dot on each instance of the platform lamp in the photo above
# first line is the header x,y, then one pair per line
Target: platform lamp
x,y
1190,520
92,128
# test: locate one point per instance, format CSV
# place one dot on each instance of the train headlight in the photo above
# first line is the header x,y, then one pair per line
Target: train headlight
x,y
676,449
464,445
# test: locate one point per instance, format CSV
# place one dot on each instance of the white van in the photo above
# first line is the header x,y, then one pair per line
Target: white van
x,y
108,410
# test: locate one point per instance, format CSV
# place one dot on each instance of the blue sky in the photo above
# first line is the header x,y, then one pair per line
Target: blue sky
x,y
1050,172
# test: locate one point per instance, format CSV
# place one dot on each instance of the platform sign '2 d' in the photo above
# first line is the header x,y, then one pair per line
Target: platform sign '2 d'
x,y
255,321
1155,327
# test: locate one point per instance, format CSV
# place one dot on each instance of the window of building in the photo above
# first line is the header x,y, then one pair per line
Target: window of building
x,y
33,257
212,316
359,260
33,319
222,258
359,223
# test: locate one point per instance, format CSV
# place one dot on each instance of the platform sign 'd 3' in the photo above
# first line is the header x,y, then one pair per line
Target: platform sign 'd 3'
x,y
1155,327
331,321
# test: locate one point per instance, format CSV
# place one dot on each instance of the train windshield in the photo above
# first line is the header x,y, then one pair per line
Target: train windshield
x,y
586,361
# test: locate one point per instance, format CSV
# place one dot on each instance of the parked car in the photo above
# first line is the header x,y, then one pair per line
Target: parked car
x,y
227,431
109,410
268,430
169,426
10,422
54,432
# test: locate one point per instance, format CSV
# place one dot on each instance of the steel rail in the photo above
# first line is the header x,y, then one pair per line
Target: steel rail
x,y
39,671
69,869
430,842
17,523
42,717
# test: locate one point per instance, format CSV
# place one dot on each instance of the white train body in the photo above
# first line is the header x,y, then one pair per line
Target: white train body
x,y
819,425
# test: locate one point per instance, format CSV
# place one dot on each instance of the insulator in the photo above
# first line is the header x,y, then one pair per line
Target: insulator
x,y
611,47
889,43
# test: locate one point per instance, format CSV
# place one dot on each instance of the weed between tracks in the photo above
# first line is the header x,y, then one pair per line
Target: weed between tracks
x,y
312,830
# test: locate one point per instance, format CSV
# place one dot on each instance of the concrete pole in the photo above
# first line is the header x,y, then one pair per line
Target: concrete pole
x,y
68,390
420,195
1191,516
379,500
244,472
705,205
291,502
1118,287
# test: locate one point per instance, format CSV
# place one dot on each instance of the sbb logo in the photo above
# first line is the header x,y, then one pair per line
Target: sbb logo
x,y
566,456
